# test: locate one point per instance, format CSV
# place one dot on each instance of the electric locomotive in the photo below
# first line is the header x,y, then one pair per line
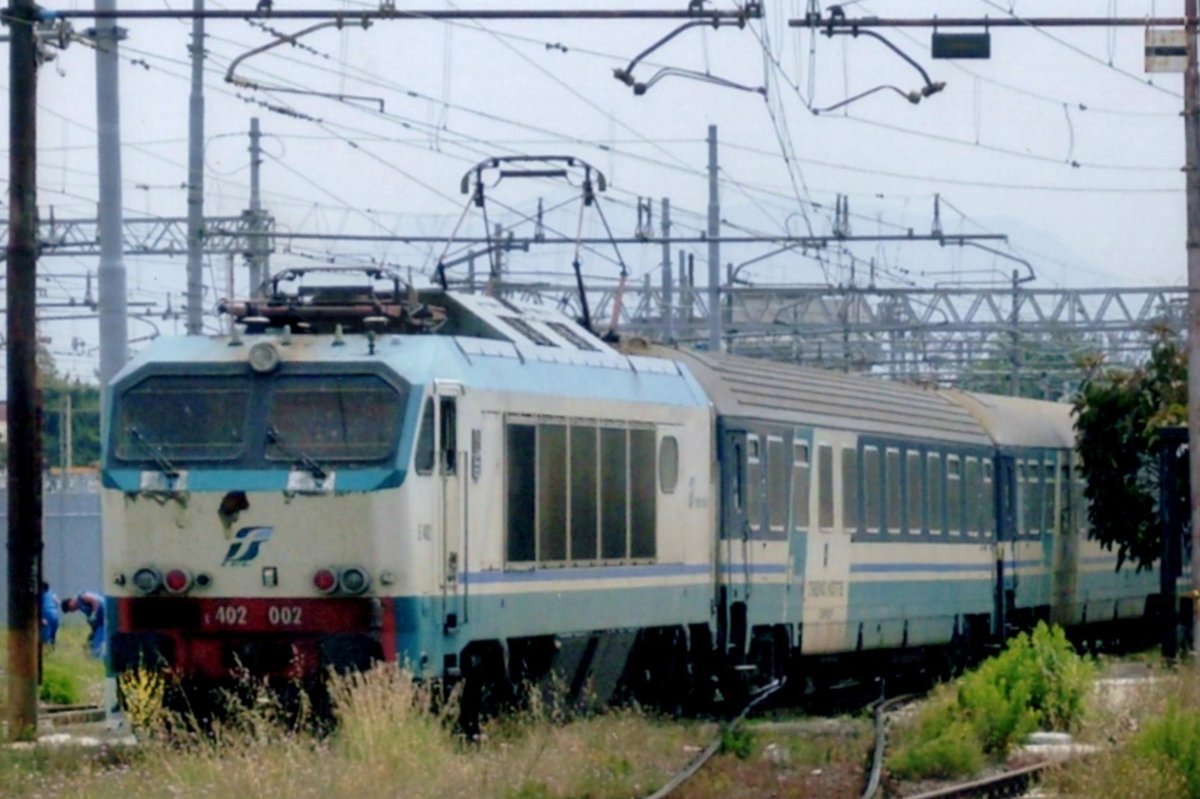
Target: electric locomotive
x,y
453,482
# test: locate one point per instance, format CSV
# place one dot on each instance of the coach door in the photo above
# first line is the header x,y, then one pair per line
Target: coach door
x,y
1006,534
733,554
452,496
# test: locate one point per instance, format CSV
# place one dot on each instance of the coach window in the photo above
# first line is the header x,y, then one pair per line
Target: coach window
x,y
987,502
642,493
614,493
777,485
520,453
552,492
850,489
916,498
937,493
1021,508
1033,497
973,490
668,464
801,480
753,483
585,471
1050,494
954,495
895,500
1067,509
872,494
424,459
825,486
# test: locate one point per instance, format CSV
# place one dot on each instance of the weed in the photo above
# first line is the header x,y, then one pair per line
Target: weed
x,y
953,752
1038,681
142,692
1173,741
60,685
737,741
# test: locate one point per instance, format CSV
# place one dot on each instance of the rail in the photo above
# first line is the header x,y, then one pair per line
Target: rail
x,y
688,771
1008,784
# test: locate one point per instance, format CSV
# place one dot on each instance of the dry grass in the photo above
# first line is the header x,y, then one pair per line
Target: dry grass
x,y
1131,765
387,744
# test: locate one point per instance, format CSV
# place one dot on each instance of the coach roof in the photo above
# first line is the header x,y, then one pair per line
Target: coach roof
x,y
795,395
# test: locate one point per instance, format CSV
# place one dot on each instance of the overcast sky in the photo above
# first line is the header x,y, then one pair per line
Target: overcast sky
x,y
1060,141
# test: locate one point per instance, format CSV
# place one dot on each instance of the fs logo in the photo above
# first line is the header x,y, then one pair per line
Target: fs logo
x,y
246,543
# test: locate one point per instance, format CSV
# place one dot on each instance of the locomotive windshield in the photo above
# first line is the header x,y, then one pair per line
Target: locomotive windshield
x,y
225,419
183,418
350,418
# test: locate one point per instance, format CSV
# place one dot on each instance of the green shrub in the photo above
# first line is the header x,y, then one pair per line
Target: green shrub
x,y
954,752
1038,681
738,742
60,686
1174,742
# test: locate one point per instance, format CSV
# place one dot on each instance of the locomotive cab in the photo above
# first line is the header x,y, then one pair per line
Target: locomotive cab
x,y
221,473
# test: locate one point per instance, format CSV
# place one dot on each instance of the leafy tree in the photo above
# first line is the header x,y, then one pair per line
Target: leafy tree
x,y
85,418
85,422
1119,416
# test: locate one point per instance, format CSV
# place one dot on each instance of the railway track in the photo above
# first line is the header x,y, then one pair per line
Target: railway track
x,y
65,715
688,771
1009,784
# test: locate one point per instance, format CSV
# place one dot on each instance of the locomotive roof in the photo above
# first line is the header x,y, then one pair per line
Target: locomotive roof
x,y
485,342
1020,422
795,395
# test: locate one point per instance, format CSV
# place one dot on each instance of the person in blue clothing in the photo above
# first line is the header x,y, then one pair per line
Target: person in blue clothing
x,y
91,605
50,616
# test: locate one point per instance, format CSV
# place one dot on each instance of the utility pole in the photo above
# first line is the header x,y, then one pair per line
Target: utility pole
x,y
68,453
195,190
114,333
668,312
24,434
714,245
257,227
1015,357
1191,107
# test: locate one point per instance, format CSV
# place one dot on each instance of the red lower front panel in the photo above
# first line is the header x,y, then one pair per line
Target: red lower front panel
x,y
235,637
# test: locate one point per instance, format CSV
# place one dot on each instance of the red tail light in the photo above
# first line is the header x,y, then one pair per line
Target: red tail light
x,y
325,581
177,581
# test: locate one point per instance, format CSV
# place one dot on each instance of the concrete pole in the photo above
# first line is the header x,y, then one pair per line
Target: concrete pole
x,y
195,192
1015,357
24,430
259,266
1191,108
714,246
114,335
668,311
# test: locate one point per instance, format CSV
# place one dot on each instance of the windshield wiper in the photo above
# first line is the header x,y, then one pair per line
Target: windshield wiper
x,y
160,460
304,460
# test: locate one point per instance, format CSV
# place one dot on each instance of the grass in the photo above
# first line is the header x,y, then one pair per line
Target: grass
x,y
1150,735
70,676
1037,682
387,743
